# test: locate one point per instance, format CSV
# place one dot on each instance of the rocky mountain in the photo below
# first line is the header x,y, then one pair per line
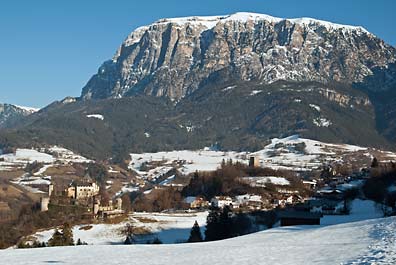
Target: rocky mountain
x,y
175,57
10,114
230,114
229,81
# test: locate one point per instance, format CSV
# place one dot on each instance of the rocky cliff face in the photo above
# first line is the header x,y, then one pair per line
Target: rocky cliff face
x,y
9,114
174,57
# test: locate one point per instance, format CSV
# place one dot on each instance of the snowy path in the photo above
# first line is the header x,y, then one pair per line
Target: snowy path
x,y
365,242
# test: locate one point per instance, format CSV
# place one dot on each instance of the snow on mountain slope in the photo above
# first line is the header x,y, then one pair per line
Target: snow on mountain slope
x,y
28,109
173,56
96,116
291,153
209,22
23,156
366,242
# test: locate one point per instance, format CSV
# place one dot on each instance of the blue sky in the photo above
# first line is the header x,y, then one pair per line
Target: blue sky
x,y
49,49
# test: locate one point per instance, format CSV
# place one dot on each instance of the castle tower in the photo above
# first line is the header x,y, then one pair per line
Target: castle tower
x,y
44,204
96,207
50,189
119,204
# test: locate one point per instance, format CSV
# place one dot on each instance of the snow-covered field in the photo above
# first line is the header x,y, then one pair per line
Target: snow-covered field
x,y
360,210
55,155
202,160
23,156
261,181
291,153
169,228
365,242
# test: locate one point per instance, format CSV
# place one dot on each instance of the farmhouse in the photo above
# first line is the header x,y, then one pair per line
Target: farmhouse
x,y
221,201
250,201
199,202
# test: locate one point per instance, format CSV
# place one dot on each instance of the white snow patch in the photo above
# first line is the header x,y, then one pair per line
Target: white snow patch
x,y
228,88
316,107
322,122
27,109
262,181
255,92
96,116
24,156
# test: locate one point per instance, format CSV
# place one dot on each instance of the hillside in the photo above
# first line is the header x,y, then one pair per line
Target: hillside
x,y
231,115
11,114
370,241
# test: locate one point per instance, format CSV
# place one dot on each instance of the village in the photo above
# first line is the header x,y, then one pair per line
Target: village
x,y
71,188
330,196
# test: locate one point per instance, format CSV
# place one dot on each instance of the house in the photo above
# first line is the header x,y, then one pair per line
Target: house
x,y
197,202
288,218
250,201
331,194
288,199
82,190
310,184
221,201
254,161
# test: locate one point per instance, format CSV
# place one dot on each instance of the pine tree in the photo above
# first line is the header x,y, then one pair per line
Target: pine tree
x,y
56,239
63,238
195,234
79,243
212,225
219,224
67,235
128,240
374,163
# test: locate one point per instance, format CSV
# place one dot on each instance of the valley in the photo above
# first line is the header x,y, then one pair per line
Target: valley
x,y
230,139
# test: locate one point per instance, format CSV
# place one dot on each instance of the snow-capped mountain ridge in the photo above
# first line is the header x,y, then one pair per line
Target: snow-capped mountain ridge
x,y
28,109
10,113
208,22
173,57
211,21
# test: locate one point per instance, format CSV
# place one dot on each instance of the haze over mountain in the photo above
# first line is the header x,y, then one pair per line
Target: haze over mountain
x,y
232,81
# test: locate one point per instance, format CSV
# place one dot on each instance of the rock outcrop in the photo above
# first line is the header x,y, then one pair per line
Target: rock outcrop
x,y
173,57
